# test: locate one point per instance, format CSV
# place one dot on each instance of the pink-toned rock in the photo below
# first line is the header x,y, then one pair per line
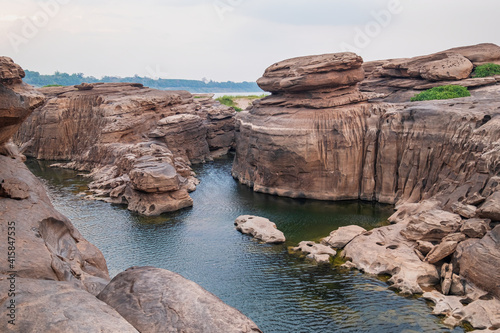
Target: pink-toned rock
x,y
342,236
319,253
260,228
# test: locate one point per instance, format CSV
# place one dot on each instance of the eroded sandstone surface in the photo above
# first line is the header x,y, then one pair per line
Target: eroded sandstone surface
x,y
52,277
329,133
137,142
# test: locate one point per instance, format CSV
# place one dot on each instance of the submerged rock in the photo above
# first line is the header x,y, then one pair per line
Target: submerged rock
x,y
157,300
316,252
260,228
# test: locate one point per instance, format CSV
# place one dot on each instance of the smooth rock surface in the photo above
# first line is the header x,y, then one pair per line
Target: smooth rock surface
x,y
59,307
157,300
260,228
342,236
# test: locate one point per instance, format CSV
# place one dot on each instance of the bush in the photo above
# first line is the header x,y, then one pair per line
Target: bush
x,y
443,92
487,70
52,85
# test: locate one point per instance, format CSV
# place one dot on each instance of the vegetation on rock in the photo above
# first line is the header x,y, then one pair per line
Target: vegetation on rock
x,y
230,100
443,92
487,70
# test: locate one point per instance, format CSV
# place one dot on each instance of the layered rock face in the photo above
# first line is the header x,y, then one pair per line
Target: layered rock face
x,y
329,133
138,142
52,277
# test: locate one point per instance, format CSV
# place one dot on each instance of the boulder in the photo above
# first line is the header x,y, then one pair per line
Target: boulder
x,y
432,225
453,67
84,86
157,300
342,236
478,261
466,211
313,72
58,307
153,177
424,247
475,228
260,228
316,252
441,251
446,278
490,209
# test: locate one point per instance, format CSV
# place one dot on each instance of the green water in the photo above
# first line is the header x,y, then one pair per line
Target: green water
x,y
280,292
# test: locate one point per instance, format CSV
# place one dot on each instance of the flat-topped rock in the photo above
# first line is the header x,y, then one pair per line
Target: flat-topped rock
x,y
260,228
342,236
156,300
432,225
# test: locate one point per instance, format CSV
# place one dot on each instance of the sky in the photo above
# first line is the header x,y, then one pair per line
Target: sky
x,y
230,40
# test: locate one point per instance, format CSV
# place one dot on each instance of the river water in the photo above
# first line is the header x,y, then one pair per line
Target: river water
x,y
279,291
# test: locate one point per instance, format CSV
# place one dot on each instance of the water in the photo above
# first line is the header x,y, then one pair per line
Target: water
x,y
217,95
280,292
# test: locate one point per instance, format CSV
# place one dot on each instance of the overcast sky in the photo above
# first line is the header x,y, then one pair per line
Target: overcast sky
x,y
230,39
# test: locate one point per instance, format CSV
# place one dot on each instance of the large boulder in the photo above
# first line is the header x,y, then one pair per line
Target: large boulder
x,y
260,228
313,72
478,261
157,300
432,225
491,207
58,307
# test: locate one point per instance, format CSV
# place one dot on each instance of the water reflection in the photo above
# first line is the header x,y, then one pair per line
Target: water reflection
x,y
280,292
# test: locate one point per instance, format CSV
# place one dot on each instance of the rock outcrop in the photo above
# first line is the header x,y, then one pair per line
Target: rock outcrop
x,y
260,228
326,133
157,300
339,238
52,275
137,142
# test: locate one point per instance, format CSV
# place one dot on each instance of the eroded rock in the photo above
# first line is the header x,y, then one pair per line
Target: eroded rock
x,y
342,236
157,300
317,252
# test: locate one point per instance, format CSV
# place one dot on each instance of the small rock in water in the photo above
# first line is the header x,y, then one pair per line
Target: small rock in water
x,y
260,228
318,252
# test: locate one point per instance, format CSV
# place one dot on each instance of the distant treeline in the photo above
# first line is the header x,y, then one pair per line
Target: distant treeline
x,y
194,86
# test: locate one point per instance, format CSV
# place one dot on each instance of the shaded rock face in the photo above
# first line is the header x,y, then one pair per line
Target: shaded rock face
x,y
59,307
157,300
137,142
62,254
18,99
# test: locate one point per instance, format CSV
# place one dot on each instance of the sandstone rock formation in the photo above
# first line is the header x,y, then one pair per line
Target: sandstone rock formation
x,y
260,228
318,253
137,142
339,238
157,300
59,307
53,274
325,133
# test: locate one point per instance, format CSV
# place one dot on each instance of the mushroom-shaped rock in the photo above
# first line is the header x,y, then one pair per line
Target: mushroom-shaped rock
x,y
260,228
317,252
157,300
343,235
